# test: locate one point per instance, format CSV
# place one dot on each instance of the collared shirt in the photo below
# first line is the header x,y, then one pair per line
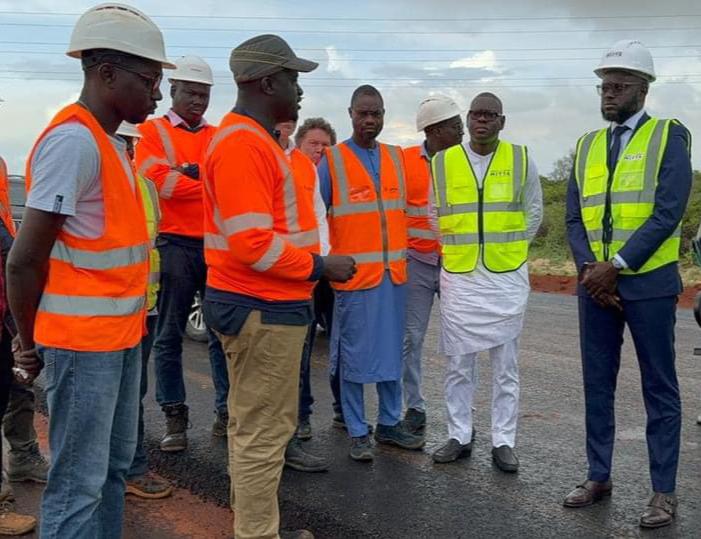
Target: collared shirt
x,y
631,123
177,121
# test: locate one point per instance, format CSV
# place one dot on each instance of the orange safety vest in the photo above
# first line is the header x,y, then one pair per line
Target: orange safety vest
x,y
418,185
303,168
5,203
94,299
370,228
162,148
290,232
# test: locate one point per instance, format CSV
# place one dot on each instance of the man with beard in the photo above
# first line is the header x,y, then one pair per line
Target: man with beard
x,y
489,207
627,194
261,249
363,185
171,154
78,273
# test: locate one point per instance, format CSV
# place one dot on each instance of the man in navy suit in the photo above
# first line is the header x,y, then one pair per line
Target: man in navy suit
x,y
627,194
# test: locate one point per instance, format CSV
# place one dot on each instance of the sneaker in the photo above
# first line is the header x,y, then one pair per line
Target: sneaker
x,y
338,421
221,425
304,430
298,459
361,449
415,421
12,523
27,466
149,486
398,435
177,423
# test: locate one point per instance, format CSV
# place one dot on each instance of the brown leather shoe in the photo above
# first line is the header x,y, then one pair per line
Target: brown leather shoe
x,y
660,511
588,493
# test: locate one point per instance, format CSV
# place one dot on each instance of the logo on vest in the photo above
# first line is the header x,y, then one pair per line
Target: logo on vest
x,y
499,173
633,157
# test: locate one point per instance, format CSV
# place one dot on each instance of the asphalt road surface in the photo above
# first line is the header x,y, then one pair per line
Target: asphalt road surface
x,y
403,494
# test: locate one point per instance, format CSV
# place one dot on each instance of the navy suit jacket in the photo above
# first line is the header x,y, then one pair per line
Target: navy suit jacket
x,y
671,197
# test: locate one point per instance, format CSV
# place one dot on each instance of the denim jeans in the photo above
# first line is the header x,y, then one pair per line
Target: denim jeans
x,y
139,466
183,273
93,400
305,383
220,375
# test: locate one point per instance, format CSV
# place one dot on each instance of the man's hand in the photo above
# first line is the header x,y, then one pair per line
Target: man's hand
x,y
191,170
599,280
27,362
339,268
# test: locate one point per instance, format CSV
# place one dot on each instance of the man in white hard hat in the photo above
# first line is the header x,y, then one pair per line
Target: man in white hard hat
x,y
78,273
438,117
489,207
170,154
141,482
627,193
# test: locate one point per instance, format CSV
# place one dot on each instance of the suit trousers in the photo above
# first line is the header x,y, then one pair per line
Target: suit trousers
x,y
651,323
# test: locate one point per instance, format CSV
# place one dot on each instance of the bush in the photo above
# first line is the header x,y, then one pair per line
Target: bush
x,y
551,241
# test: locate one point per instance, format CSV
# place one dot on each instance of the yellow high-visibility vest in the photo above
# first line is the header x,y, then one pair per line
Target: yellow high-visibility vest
x,y
149,195
631,191
491,219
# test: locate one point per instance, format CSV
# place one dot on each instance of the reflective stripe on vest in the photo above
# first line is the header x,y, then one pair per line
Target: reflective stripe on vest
x,y
149,196
367,219
99,260
379,205
247,221
489,219
632,190
90,305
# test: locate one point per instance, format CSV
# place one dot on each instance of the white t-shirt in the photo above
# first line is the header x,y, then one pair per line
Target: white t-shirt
x,y
65,172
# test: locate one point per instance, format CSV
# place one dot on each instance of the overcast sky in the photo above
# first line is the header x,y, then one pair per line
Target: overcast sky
x,y
537,55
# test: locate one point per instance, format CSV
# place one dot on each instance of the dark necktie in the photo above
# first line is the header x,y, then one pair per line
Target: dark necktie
x,y
614,150
615,147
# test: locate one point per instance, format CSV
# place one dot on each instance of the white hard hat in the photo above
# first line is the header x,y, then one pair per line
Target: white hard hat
x,y
120,28
435,109
628,55
128,130
192,69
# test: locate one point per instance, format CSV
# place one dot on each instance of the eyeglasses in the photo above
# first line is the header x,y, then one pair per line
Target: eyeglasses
x,y
615,88
488,115
152,83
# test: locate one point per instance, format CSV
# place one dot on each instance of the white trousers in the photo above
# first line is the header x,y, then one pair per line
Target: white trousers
x,y
461,379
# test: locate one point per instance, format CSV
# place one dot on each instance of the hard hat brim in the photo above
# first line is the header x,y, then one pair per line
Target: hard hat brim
x,y
163,61
189,79
601,71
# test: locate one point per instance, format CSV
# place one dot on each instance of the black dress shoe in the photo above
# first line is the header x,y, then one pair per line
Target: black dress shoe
x,y
452,451
505,459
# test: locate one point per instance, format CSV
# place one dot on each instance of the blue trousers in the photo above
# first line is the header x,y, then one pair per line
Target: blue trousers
x,y
389,396
651,323
139,465
93,400
183,273
220,373
306,399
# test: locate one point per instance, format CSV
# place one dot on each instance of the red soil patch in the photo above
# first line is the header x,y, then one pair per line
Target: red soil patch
x,y
564,284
